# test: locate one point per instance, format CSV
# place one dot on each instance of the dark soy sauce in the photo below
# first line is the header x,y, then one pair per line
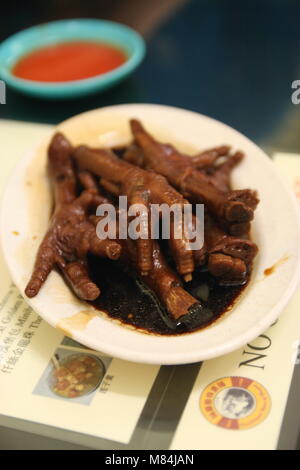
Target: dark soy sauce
x,y
124,298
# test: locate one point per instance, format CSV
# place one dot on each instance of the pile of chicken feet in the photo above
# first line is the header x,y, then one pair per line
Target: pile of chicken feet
x,y
148,172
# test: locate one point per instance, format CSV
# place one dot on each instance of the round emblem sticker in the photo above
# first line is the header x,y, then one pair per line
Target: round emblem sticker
x,y
235,403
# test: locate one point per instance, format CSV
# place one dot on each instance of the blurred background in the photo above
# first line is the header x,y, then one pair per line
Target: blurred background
x,y
232,60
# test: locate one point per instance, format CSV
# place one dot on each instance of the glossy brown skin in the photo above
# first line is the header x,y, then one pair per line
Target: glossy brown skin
x,y
219,176
229,258
71,234
141,187
206,159
163,281
218,241
229,254
232,206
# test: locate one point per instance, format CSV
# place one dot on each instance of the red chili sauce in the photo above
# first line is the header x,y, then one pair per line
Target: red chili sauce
x,y
69,61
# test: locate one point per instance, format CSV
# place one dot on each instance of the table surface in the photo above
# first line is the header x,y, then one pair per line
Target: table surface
x,y
231,60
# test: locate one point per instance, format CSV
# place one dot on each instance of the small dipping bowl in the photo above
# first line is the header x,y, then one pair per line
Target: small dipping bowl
x,y
57,32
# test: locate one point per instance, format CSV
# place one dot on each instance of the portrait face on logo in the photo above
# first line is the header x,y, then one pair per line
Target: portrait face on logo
x,y
234,403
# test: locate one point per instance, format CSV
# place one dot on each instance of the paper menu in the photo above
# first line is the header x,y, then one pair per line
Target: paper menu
x,y
27,345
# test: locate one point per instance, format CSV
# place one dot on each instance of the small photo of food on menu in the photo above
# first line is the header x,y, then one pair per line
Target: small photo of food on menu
x,y
72,375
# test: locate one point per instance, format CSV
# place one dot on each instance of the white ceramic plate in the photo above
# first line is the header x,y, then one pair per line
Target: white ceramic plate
x,y
27,205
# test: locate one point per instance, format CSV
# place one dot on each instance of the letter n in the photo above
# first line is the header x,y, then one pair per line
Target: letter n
x,y
250,362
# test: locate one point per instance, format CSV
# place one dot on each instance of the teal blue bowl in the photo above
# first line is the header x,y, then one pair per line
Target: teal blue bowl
x,y
28,40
